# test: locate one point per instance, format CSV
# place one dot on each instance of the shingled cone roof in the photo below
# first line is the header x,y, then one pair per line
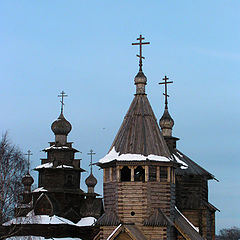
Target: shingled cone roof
x,y
139,132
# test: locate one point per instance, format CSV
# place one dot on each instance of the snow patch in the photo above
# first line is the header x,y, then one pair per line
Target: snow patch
x,y
115,230
87,221
50,165
54,147
45,219
184,165
39,219
113,155
38,238
45,165
196,228
41,189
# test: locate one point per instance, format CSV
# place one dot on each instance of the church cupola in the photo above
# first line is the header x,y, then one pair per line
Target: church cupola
x,y
166,122
140,79
61,127
91,181
140,82
27,182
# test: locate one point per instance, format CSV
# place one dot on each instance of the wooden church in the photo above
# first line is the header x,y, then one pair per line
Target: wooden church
x,y
151,190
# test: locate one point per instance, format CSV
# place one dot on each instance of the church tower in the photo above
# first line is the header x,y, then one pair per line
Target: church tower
x,y
139,174
59,190
191,181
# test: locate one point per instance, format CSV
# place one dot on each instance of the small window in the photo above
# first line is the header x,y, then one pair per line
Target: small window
x,y
152,173
163,174
69,181
139,174
125,174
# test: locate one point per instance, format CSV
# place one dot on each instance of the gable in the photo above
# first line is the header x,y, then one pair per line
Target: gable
x,y
126,232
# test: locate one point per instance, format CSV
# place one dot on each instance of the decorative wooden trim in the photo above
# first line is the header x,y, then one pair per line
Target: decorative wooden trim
x,y
146,174
110,174
169,175
158,174
118,173
132,173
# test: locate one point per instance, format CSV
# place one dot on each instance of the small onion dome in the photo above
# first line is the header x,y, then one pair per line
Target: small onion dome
x,y
91,181
27,180
61,126
140,78
166,121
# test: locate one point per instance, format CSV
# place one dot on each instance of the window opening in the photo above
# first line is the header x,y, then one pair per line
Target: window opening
x,y
163,174
125,174
152,170
139,174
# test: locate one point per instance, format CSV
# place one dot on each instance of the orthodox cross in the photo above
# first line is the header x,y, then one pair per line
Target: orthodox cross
x,y
140,43
28,162
91,153
165,79
62,95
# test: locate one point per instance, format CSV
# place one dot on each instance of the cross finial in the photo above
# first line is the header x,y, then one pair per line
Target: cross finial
x,y
140,43
91,153
28,161
62,95
165,79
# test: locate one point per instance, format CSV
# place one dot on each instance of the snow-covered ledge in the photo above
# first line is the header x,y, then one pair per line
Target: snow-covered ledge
x,y
113,155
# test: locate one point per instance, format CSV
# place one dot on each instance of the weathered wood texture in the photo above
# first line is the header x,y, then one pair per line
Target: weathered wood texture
x,y
191,192
155,233
139,132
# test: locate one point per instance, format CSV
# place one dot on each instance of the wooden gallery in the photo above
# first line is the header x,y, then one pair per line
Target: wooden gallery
x,y
151,190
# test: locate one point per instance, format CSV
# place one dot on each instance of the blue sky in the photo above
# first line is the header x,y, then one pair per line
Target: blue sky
x,y
84,48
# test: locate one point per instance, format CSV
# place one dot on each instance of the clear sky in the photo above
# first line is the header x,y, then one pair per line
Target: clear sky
x,y
84,48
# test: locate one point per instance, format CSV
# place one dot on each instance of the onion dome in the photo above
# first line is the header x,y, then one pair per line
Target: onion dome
x,y
27,180
166,123
140,82
91,182
61,126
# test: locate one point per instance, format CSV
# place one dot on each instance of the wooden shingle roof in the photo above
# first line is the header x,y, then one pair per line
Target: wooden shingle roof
x,y
139,132
185,227
193,167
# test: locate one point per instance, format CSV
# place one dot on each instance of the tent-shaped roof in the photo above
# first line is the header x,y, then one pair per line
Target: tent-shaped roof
x,y
139,132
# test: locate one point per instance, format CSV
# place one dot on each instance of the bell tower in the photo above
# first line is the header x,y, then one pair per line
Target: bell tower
x,y
139,172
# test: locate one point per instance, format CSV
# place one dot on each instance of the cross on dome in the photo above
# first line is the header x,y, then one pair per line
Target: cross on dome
x,y
165,79
140,43
91,153
28,161
62,95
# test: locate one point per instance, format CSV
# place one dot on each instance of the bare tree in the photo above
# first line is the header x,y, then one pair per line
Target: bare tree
x,y
232,233
13,166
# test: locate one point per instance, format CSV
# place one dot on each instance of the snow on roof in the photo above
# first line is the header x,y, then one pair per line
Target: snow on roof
x,y
114,231
113,155
41,189
50,165
87,221
184,165
54,147
39,219
38,238
196,228
45,219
